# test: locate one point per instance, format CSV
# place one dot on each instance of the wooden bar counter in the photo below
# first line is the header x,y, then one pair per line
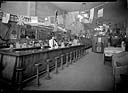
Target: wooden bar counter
x,y
18,66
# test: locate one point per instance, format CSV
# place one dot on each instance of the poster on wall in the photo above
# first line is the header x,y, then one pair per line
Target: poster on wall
x,y
100,13
60,19
34,19
91,15
6,17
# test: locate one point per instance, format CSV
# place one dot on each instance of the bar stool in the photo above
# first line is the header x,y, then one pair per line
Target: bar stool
x,y
48,77
67,59
82,51
74,56
71,57
56,64
19,74
78,54
37,72
87,51
62,67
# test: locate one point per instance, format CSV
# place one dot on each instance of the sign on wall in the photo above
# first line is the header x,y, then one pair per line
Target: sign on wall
x,y
6,17
91,15
100,13
34,19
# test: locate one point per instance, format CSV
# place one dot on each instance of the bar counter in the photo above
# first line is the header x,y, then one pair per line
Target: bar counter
x,y
18,66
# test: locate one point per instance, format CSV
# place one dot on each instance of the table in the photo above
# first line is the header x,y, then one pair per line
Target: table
x,y
110,51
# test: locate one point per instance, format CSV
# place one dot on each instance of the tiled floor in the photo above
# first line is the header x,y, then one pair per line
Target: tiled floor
x,y
89,74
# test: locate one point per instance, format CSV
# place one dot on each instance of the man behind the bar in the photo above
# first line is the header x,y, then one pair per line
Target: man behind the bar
x,y
52,42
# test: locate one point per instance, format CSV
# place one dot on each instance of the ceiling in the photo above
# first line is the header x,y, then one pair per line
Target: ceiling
x,y
75,6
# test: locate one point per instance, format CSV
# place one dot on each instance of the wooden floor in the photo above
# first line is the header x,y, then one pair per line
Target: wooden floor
x,y
88,74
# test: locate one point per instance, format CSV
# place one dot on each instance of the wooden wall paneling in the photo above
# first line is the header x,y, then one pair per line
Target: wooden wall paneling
x,y
28,66
4,32
8,63
42,60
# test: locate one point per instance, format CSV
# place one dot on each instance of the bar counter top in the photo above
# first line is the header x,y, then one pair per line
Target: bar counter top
x,y
14,52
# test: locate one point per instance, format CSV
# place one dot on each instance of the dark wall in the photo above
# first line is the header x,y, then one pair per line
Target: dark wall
x,y
40,9
114,13
14,7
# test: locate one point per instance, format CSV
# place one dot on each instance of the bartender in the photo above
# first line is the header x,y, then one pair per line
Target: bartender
x,y
53,43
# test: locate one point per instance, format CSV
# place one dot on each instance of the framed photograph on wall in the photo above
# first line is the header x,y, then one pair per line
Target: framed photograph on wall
x,y
13,34
22,33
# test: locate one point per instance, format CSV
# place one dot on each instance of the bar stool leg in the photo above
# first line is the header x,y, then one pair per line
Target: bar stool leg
x,y
76,55
19,74
62,67
38,75
73,56
48,77
83,52
67,63
86,51
80,53
70,57
56,67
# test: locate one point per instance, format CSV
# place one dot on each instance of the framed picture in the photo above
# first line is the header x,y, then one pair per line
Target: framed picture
x,y
22,33
13,34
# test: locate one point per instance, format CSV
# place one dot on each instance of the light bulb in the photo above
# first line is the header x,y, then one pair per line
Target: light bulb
x,y
46,19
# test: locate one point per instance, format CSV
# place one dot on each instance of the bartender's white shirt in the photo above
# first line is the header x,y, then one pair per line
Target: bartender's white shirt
x,y
75,42
51,43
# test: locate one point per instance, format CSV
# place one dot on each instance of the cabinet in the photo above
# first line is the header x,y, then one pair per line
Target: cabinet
x,y
98,43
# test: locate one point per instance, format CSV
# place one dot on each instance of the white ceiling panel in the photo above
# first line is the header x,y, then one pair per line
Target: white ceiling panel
x,y
75,6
